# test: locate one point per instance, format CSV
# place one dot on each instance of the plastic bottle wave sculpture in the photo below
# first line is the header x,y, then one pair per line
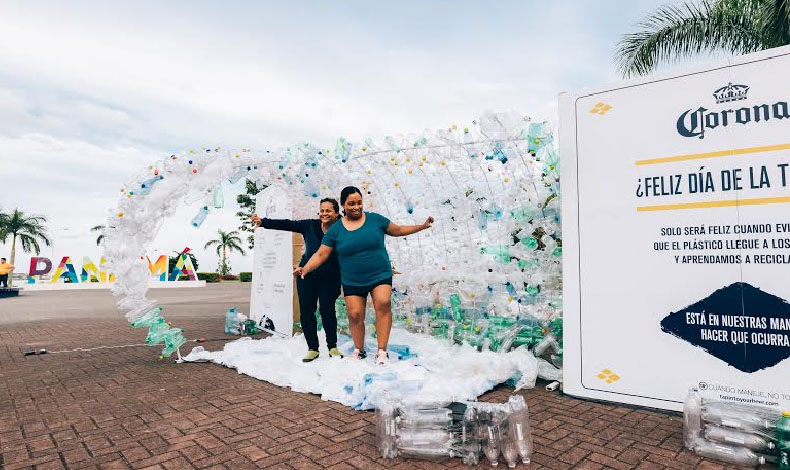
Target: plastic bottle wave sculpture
x,y
491,261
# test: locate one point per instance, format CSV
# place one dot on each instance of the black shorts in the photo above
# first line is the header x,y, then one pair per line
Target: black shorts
x,y
363,291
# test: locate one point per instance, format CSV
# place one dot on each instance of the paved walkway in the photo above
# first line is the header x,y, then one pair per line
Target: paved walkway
x,y
124,408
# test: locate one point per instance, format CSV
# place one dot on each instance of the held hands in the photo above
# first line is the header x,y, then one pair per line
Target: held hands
x,y
256,220
299,271
428,222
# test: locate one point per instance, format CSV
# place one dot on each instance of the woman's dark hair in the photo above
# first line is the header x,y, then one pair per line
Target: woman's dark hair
x,y
348,191
333,201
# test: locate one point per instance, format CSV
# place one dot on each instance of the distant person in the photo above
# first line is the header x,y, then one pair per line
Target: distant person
x,y
5,270
364,267
323,286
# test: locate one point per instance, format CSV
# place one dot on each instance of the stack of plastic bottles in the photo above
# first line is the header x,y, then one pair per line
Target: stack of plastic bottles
x,y
735,433
467,430
493,189
236,323
160,332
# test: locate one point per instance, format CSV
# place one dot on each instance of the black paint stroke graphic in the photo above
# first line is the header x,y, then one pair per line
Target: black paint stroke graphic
x,y
736,300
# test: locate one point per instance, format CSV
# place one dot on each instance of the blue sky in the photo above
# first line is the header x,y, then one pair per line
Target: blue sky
x,y
91,92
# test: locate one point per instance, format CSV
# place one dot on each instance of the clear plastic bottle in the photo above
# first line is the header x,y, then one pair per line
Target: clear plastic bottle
x,y
470,441
416,437
231,322
734,455
519,430
783,440
491,439
692,417
197,221
218,197
436,418
386,429
735,418
734,437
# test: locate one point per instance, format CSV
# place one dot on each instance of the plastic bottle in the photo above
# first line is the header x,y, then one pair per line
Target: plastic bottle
x,y
424,438
426,419
738,438
692,417
520,433
734,455
240,172
491,441
147,185
470,441
197,221
509,451
720,414
783,440
218,197
386,429
231,322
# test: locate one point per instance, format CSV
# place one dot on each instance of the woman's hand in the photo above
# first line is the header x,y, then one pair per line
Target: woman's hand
x,y
299,271
428,222
256,220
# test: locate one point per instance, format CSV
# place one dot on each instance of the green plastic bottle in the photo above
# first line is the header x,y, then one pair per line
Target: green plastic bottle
x,y
783,440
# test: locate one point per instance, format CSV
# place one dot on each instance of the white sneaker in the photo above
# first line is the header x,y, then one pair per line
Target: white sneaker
x,y
382,358
358,355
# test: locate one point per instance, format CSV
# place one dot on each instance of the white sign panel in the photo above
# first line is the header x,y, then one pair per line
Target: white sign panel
x,y
676,235
271,302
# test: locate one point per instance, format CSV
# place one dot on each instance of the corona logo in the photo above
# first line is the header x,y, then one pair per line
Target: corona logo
x,y
730,92
608,376
600,108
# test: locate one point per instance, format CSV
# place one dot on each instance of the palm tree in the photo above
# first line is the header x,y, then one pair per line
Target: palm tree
x,y
100,229
733,26
227,241
29,230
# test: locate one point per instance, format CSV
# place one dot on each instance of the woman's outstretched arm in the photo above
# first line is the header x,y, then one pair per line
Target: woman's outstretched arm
x,y
287,225
396,230
318,258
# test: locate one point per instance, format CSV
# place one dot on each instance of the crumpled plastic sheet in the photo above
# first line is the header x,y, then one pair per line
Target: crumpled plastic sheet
x,y
440,371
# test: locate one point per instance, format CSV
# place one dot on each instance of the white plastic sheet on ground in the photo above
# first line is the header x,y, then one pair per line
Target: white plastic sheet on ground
x,y
440,371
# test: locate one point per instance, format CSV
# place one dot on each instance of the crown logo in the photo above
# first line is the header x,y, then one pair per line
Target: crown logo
x,y
730,92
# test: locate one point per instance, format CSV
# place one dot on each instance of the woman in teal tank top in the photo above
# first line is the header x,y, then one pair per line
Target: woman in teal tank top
x,y
365,267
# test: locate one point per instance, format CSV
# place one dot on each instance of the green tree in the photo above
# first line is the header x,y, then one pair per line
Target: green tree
x,y
673,32
247,205
227,241
100,229
29,230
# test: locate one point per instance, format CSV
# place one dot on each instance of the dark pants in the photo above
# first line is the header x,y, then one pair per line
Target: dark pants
x,y
3,280
321,290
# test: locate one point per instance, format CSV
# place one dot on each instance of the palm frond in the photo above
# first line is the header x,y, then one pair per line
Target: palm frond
x,y
29,243
775,19
674,32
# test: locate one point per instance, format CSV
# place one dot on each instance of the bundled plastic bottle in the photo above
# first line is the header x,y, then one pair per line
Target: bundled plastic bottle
x,y
491,437
425,419
386,429
734,455
692,418
783,440
723,414
470,440
733,437
519,430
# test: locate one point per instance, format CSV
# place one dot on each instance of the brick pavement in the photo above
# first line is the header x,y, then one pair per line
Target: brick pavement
x,y
126,409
